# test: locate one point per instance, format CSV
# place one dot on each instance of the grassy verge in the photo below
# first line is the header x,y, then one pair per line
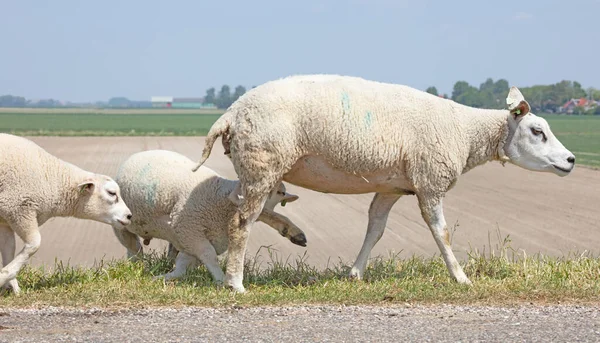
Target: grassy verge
x,y
497,279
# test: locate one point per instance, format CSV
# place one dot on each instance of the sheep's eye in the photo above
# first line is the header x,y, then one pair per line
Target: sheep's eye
x,y
536,132
111,193
280,193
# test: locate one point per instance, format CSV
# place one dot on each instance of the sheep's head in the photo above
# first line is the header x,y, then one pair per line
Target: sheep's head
x,y
530,143
100,200
279,195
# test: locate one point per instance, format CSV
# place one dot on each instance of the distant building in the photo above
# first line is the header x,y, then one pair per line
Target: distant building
x,y
172,102
586,104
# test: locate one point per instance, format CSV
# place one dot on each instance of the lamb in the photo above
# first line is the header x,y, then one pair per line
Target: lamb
x,y
348,135
190,210
36,186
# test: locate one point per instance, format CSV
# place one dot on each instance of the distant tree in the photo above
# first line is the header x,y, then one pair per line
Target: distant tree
x,y
210,97
460,87
224,99
239,91
119,102
432,90
12,101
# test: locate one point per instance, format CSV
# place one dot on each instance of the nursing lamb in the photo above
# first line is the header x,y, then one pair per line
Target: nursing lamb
x,y
190,210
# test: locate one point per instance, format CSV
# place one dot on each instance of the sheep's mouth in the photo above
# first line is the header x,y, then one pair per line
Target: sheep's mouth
x,y
122,222
562,169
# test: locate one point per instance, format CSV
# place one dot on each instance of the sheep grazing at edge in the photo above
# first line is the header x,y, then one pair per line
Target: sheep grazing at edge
x,y
36,186
348,135
190,210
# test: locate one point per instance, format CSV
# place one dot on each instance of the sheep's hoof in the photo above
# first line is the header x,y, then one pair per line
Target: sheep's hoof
x,y
355,274
299,239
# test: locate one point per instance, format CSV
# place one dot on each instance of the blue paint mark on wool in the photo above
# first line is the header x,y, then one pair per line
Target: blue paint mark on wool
x,y
346,103
368,118
149,186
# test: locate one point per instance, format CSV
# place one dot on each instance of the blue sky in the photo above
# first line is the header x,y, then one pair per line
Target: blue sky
x,y
93,50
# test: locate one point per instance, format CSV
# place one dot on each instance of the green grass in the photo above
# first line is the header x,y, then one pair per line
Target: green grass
x,y
112,123
499,278
580,134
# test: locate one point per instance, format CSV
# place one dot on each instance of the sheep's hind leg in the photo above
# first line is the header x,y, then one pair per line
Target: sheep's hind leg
x,y
284,226
433,214
378,215
28,231
7,249
248,210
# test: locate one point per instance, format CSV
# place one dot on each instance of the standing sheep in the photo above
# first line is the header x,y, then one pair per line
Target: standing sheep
x,y
36,186
347,135
190,210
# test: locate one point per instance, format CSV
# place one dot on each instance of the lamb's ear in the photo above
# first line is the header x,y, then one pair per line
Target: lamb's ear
x,y
87,186
517,105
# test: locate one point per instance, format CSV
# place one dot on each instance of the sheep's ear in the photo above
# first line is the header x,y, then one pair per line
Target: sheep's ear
x,y
288,197
86,187
517,105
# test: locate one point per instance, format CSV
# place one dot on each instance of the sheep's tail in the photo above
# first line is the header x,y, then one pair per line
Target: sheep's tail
x,y
219,128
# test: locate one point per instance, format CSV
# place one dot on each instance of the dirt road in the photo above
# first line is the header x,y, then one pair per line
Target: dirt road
x,y
540,212
306,324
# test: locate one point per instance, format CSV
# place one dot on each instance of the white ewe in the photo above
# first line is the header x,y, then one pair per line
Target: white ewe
x,y
36,186
348,135
190,210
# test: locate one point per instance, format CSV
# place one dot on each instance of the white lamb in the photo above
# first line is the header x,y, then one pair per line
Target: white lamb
x,y
347,135
36,186
190,210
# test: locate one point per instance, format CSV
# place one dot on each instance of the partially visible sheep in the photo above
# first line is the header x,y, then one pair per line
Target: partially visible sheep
x,y
347,135
190,210
36,186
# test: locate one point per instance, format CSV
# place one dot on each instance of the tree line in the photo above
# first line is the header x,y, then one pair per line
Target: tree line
x,y
541,98
489,94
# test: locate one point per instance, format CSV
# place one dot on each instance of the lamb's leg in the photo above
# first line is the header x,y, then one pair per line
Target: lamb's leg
x,y
182,263
130,241
433,214
284,226
205,252
7,249
27,229
172,252
378,215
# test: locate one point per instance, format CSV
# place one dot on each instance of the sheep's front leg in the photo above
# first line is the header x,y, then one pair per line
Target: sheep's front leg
x,y
130,241
28,231
378,215
284,226
7,249
433,214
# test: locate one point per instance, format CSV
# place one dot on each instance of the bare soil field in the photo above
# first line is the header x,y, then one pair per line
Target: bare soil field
x,y
542,213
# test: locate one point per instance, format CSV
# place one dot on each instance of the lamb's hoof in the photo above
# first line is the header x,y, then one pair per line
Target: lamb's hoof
x,y
299,239
235,288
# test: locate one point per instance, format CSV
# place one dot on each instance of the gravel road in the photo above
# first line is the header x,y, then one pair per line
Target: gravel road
x,y
305,324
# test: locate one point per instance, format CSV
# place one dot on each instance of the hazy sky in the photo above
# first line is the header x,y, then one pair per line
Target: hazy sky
x,y
93,50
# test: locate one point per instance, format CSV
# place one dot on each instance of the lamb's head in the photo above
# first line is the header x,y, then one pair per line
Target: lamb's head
x,y
100,200
279,195
530,143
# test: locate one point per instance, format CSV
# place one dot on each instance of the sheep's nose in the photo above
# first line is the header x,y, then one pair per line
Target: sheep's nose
x,y
571,159
129,216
